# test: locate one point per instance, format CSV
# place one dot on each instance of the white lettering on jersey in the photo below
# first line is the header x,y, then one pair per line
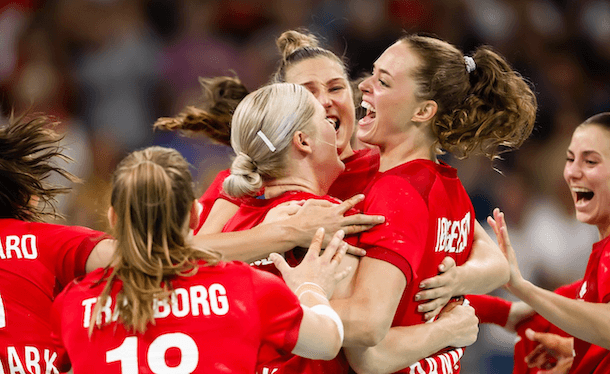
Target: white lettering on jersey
x,y
19,247
452,236
583,290
443,363
32,361
195,300
269,370
264,261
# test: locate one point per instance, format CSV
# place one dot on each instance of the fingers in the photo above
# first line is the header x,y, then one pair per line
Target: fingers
x,y
341,275
355,251
362,219
280,263
446,264
316,243
355,229
350,203
335,247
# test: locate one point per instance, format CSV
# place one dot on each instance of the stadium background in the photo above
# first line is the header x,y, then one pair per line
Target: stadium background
x,y
108,68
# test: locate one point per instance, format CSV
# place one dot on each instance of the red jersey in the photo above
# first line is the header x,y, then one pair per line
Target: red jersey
x,y
428,216
491,309
213,193
36,261
215,323
595,288
360,168
272,361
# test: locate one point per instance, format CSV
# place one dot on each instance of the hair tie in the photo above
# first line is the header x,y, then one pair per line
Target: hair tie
x,y
470,64
266,140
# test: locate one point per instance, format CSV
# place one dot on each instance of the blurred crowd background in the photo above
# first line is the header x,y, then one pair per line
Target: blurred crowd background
x,y
108,68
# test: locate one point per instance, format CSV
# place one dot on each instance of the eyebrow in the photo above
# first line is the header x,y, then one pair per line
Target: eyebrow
x,y
585,153
382,71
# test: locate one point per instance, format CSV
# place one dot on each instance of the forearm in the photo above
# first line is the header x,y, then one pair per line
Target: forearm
x,y
401,348
583,320
240,245
486,268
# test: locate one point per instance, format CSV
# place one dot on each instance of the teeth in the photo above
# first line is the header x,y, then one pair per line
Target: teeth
x,y
332,120
581,189
367,106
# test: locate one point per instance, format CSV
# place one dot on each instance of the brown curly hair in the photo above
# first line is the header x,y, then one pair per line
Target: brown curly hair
x,y
478,112
213,116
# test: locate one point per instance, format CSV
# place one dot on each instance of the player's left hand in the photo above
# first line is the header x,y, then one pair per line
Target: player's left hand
x,y
439,289
498,224
321,269
554,354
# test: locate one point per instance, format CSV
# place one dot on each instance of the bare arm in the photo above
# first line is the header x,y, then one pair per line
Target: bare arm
x,y
314,281
294,231
221,212
485,270
368,313
583,320
101,255
405,345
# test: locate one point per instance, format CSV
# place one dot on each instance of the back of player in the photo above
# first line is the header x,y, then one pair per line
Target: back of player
x,y
215,322
36,259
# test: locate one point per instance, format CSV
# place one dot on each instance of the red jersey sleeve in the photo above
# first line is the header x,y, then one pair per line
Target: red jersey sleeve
x,y
213,193
279,310
490,309
72,246
402,238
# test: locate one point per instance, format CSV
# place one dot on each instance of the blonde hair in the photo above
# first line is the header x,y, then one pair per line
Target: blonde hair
x,y
277,111
479,111
152,195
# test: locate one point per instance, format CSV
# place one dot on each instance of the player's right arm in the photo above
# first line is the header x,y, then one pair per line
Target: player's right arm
x,y
296,230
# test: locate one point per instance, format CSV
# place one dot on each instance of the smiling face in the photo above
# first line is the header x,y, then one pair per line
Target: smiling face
x,y
324,146
327,81
587,172
389,96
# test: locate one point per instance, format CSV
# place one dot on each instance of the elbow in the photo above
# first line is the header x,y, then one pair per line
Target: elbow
x,y
370,332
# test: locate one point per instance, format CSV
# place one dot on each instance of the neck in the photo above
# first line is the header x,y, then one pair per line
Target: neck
x,y
279,186
410,145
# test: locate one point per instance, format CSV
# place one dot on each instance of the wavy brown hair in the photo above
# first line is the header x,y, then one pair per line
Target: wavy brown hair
x,y
212,117
152,195
478,112
29,152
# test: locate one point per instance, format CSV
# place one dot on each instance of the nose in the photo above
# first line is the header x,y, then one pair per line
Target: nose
x,y
365,85
572,170
324,99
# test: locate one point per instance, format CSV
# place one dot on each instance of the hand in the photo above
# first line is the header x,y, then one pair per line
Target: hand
x,y
438,290
316,268
283,211
554,354
462,323
498,224
317,213
519,312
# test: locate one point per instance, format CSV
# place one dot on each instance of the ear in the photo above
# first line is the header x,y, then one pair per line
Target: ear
x,y
112,217
425,111
196,209
302,142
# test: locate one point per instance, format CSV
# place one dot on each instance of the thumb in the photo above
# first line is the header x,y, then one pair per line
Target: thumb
x,y
279,262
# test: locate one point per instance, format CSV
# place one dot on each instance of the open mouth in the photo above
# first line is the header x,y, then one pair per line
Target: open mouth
x,y
583,194
370,110
335,121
